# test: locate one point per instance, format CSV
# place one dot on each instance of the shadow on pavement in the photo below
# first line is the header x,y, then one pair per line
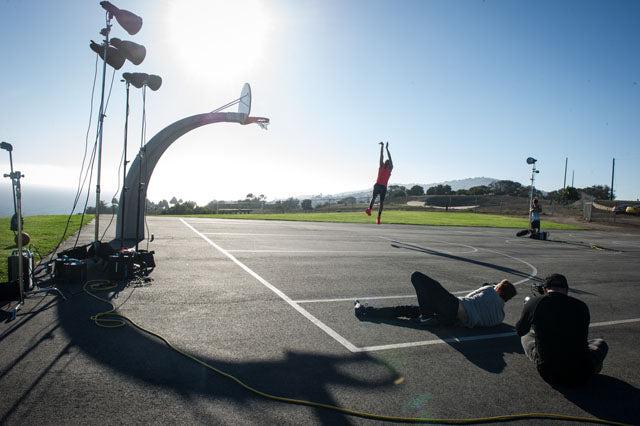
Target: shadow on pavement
x,y
147,360
413,247
607,398
486,354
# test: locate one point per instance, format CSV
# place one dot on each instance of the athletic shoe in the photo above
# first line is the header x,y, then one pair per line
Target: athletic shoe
x,y
378,220
427,321
361,310
368,211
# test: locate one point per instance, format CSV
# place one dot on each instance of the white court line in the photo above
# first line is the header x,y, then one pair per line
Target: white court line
x,y
605,323
351,299
318,251
472,338
344,342
348,344
263,234
346,299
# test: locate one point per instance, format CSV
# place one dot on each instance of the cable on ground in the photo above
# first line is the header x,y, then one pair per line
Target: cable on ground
x,y
111,319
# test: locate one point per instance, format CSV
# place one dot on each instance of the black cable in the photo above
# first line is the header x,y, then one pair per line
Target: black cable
x,y
84,157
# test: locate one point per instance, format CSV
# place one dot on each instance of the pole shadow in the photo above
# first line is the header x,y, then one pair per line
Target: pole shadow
x,y
505,269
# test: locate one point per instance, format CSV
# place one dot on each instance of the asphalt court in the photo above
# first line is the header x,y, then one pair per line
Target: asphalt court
x,y
271,303
321,268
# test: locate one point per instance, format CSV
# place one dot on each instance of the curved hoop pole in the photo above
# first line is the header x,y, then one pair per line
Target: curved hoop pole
x,y
146,160
260,121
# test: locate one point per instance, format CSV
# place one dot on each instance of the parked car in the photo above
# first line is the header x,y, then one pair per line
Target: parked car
x,y
622,208
633,210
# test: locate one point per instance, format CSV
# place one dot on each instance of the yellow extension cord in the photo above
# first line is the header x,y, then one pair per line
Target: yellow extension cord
x,y
110,319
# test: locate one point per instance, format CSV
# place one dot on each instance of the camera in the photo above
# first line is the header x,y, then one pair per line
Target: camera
x,y
537,289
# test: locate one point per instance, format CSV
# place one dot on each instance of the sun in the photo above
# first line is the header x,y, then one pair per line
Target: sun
x,y
222,39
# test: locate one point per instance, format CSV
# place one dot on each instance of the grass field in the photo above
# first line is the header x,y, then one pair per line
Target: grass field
x,y
405,218
45,233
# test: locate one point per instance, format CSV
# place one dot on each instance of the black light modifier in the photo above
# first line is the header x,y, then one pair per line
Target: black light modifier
x,y
114,57
134,52
127,20
139,79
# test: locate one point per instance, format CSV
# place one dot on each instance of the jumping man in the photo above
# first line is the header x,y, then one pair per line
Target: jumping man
x,y
380,188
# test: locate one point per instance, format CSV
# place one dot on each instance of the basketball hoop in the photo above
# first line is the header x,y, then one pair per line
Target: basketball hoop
x,y
260,121
244,108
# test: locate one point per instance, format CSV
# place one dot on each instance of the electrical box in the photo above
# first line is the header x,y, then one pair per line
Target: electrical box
x,y
27,268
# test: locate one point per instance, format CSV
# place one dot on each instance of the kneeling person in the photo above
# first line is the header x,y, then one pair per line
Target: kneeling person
x,y
554,331
483,307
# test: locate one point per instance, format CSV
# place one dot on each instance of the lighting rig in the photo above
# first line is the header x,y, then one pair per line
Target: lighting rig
x,y
137,80
114,52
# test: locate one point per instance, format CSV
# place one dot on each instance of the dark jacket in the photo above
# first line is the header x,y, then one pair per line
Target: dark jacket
x,y
561,325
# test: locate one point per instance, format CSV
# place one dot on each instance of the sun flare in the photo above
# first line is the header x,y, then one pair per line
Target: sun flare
x,y
219,38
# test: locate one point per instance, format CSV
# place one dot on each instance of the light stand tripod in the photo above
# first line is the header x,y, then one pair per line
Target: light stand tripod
x,y
532,161
124,163
17,202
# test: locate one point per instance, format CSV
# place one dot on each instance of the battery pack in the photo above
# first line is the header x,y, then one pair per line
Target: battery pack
x,y
76,271
27,268
120,266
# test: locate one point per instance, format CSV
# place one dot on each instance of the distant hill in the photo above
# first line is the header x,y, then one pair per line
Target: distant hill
x,y
365,194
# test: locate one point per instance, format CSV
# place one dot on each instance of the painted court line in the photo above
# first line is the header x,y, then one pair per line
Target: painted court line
x,y
347,344
344,342
262,234
351,299
318,251
472,338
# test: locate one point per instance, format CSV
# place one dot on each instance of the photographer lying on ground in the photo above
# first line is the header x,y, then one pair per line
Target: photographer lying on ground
x,y
483,307
557,342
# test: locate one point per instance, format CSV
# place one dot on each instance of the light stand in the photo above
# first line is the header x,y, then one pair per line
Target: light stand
x,y
532,161
139,80
17,205
17,202
124,173
114,56
8,147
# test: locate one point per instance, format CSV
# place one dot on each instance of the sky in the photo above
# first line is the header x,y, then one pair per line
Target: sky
x,y
459,89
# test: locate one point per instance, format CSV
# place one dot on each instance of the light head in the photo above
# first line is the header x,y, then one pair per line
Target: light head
x,y
127,20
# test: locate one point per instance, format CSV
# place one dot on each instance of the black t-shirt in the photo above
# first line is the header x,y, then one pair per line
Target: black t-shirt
x,y
561,325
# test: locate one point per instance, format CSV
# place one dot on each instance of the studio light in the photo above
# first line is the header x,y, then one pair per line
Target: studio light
x,y
139,79
136,79
134,52
127,20
114,57
114,53
154,82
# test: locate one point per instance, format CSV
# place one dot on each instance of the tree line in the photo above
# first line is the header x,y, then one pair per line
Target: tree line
x,y
254,203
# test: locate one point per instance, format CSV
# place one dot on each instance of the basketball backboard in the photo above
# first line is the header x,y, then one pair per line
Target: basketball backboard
x,y
244,104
